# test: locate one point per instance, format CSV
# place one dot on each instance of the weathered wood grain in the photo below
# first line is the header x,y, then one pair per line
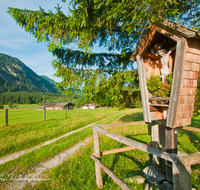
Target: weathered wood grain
x,y
176,83
118,181
143,89
191,129
138,145
97,153
191,66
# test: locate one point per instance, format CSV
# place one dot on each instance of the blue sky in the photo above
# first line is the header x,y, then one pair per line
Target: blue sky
x,y
14,41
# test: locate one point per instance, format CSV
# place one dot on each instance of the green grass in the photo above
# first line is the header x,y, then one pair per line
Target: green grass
x,y
78,171
22,136
24,106
16,116
23,163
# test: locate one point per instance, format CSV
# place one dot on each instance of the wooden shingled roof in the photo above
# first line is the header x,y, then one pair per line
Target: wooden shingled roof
x,y
57,104
166,28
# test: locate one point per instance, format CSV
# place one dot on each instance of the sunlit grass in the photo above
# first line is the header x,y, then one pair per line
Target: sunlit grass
x,y
22,136
78,171
16,116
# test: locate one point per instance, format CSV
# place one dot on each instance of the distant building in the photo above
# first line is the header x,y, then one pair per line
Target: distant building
x,y
57,106
90,106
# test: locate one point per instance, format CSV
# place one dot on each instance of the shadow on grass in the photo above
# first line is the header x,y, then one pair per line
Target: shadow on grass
x,y
196,122
132,172
132,117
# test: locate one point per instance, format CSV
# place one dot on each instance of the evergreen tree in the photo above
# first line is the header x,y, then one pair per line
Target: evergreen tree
x,y
113,25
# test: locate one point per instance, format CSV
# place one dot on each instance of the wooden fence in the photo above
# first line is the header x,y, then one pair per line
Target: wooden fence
x,y
181,164
45,113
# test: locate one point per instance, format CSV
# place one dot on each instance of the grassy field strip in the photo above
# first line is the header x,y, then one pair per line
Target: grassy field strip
x,y
127,113
16,116
78,171
31,160
19,137
20,153
49,164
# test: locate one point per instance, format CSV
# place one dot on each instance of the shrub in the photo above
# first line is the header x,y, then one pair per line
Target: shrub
x,y
157,87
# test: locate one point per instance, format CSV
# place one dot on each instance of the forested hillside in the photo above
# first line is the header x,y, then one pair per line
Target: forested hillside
x,y
39,98
16,76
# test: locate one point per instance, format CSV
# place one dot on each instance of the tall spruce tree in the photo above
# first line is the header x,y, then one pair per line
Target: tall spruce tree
x,y
115,25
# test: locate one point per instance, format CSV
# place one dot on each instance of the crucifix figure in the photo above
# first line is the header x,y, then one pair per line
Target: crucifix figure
x,y
164,58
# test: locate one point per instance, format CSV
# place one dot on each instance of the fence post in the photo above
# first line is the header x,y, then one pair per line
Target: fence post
x,y
44,114
97,153
65,112
155,142
6,116
78,111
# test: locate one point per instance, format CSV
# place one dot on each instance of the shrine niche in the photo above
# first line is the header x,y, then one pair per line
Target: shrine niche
x,y
168,58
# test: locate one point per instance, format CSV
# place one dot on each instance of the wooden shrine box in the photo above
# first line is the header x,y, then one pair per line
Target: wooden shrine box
x,y
183,43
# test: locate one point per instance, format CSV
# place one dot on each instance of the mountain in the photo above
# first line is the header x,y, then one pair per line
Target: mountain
x,y
16,76
48,79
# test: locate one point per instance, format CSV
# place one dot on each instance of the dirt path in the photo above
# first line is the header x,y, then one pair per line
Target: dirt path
x,y
35,174
22,152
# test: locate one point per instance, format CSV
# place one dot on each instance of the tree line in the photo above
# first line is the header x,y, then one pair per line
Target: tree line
x,y
24,97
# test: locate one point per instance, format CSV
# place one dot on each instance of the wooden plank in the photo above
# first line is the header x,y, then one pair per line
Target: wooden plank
x,y
162,135
97,153
159,98
171,147
184,114
114,151
191,66
178,29
186,99
197,130
144,40
156,115
155,142
118,150
193,46
169,34
143,89
189,83
190,75
181,177
147,38
122,124
118,181
159,105
191,159
187,91
193,58
185,107
181,122
176,83
138,145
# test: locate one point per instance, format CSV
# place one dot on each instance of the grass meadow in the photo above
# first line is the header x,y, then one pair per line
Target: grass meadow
x,y
78,172
27,114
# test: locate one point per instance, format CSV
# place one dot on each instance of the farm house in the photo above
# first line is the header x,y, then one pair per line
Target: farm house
x,y
57,106
90,106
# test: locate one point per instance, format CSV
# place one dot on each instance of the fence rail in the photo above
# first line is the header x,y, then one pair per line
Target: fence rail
x,y
181,164
16,116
